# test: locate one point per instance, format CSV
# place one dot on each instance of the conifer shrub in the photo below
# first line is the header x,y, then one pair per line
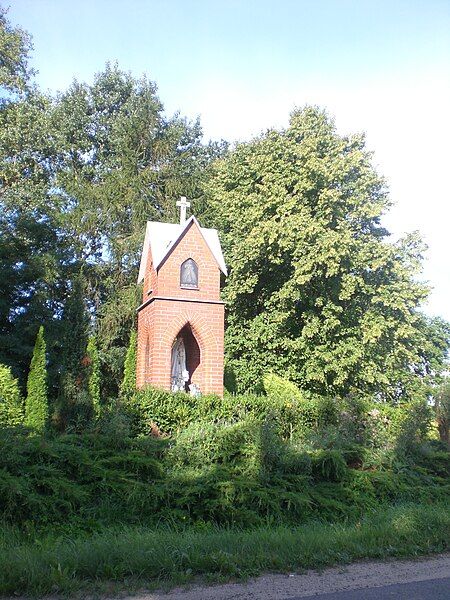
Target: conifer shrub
x,y
36,403
94,375
442,408
74,408
435,458
11,404
202,445
251,447
397,430
128,386
242,473
328,465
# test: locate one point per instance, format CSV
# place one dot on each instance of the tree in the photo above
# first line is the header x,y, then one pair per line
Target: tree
x,y
15,47
34,250
122,162
36,403
128,386
74,404
442,399
317,292
11,405
94,376
80,173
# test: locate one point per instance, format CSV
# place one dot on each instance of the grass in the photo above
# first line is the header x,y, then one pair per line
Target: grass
x,y
129,558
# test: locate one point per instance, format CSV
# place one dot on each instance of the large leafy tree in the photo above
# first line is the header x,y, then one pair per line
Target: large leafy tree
x,y
80,174
15,48
317,291
122,162
34,254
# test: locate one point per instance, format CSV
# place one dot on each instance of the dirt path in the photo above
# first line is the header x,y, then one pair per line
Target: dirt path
x,y
281,587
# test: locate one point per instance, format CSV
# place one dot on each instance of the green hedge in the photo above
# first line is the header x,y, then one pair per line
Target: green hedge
x,y
170,413
350,425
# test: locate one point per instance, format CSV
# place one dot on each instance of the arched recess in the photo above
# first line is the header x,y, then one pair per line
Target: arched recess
x,y
200,328
189,274
206,339
185,359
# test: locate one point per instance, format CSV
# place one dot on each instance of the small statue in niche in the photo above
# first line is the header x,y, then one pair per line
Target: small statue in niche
x,y
189,274
180,374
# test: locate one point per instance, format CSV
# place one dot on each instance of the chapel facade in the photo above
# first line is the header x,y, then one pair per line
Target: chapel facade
x,y
181,318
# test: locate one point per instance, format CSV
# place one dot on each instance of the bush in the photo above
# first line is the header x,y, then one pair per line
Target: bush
x,y
443,412
274,385
202,445
11,404
399,430
76,478
94,375
328,465
238,473
36,404
173,412
128,386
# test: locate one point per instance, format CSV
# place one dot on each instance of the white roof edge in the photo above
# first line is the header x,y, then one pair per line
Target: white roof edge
x,y
210,237
144,255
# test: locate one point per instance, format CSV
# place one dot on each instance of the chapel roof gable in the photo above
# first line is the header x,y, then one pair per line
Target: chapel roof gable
x,y
160,239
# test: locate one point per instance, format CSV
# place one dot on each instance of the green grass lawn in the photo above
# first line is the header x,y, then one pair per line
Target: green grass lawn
x,y
116,558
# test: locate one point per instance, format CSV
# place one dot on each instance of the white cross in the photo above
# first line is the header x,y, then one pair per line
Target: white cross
x,y
183,204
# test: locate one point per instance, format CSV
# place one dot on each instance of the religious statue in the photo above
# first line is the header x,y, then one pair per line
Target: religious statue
x,y
180,375
189,274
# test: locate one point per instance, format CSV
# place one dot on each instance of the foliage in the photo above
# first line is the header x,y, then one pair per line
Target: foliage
x,y
298,210
72,478
75,404
274,385
15,46
11,405
172,412
442,400
122,162
317,293
128,386
81,172
364,432
241,473
35,253
328,465
94,375
36,403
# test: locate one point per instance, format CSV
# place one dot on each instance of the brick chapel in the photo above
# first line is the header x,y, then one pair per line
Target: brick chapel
x,y
181,318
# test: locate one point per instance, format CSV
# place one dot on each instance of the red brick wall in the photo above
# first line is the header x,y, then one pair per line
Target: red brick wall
x,y
161,320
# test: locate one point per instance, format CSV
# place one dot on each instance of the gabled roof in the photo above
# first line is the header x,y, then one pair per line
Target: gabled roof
x,y
162,237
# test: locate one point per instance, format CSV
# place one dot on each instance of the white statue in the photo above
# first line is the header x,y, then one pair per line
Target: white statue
x,y
180,375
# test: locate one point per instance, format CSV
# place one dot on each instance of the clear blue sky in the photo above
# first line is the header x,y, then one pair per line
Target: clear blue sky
x,y
380,66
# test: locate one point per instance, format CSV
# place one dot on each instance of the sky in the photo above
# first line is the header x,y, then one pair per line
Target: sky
x,y
378,66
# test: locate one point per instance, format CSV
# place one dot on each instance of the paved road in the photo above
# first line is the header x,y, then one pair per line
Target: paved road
x,y
432,589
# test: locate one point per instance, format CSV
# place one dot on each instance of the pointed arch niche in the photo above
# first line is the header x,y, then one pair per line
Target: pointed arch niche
x,y
185,359
189,274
